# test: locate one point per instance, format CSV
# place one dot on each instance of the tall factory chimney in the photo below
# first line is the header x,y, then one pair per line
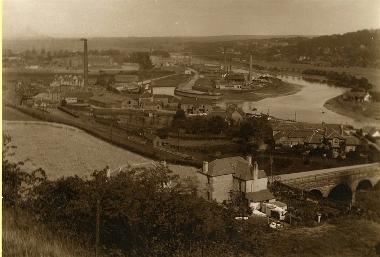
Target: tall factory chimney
x,y
250,69
225,65
85,64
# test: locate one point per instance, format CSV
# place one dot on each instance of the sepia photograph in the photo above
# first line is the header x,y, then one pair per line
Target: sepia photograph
x,y
191,128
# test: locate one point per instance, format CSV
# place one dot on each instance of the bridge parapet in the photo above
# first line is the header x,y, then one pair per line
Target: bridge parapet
x,y
350,175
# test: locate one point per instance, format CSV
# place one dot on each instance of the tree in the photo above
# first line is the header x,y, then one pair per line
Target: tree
x,y
216,124
178,117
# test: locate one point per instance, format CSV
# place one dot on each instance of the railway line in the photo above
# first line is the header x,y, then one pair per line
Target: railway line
x,y
112,134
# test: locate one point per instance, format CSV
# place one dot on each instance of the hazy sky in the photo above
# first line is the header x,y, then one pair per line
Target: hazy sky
x,y
123,18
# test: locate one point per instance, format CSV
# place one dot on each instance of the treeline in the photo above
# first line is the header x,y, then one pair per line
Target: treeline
x,y
47,56
249,132
360,48
341,79
142,212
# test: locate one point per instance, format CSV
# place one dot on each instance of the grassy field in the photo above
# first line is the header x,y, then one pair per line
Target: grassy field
x,y
66,151
25,237
354,109
63,150
343,237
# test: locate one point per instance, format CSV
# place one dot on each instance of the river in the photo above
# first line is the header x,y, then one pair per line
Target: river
x,y
304,106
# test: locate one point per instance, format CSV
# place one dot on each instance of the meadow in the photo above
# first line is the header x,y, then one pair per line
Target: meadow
x,y
63,150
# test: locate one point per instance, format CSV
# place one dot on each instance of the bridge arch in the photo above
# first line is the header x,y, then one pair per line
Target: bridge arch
x,y
341,192
316,192
364,185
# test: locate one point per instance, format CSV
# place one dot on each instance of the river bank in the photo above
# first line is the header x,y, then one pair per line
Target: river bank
x,y
271,91
365,111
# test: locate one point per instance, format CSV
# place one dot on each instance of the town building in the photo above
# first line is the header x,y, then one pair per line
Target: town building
x,y
196,105
357,96
230,179
77,97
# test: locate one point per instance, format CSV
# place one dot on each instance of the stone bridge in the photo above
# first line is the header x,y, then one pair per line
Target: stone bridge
x,y
337,183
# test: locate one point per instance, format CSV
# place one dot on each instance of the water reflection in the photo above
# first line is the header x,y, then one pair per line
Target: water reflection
x,y
305,106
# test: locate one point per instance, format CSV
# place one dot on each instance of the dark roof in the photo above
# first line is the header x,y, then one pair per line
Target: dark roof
x,y
196,101
238,166
313,139
246,172
351,140
132,96
281,134
174,99
221,114
285,127
301,133
146,94
109,98
259,196
225,166
152,137
79,95
333,135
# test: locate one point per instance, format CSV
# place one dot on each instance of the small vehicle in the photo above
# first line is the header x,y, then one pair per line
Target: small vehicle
x,y
241,218
275,225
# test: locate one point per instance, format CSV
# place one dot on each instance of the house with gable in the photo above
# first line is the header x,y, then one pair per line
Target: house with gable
x,y
335,142
371,131
196,105
351,144
154,140
314,141
237,113
228,178
52,95
298,137
357,96
282,139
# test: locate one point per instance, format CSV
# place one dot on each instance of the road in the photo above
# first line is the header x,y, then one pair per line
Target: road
x,y
190,84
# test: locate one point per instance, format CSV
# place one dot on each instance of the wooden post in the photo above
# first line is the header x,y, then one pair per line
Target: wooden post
x,y
97,227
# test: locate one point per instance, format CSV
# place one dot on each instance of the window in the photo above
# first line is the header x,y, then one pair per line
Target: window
x,y
208,195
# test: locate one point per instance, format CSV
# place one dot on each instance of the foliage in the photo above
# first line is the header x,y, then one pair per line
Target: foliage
x,y
162,133
142,58
16,183
25,236
178,118
143,212
342,79
161,53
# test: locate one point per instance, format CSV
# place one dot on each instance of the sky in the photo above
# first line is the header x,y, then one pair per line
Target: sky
x,y
151,18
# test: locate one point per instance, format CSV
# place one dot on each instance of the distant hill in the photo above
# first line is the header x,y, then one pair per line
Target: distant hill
x,y
133,43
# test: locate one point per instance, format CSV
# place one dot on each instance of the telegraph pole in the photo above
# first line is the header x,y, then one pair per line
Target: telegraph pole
x,y
97,227
271,169
85,64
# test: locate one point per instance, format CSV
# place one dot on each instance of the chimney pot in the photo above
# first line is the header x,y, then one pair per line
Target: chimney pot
x,y
249,160
205,167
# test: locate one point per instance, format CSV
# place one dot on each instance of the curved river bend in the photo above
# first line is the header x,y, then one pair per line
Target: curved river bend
x,y
304,106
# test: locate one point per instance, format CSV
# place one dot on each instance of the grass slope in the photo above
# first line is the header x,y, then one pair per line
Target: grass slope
x,y
28,238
